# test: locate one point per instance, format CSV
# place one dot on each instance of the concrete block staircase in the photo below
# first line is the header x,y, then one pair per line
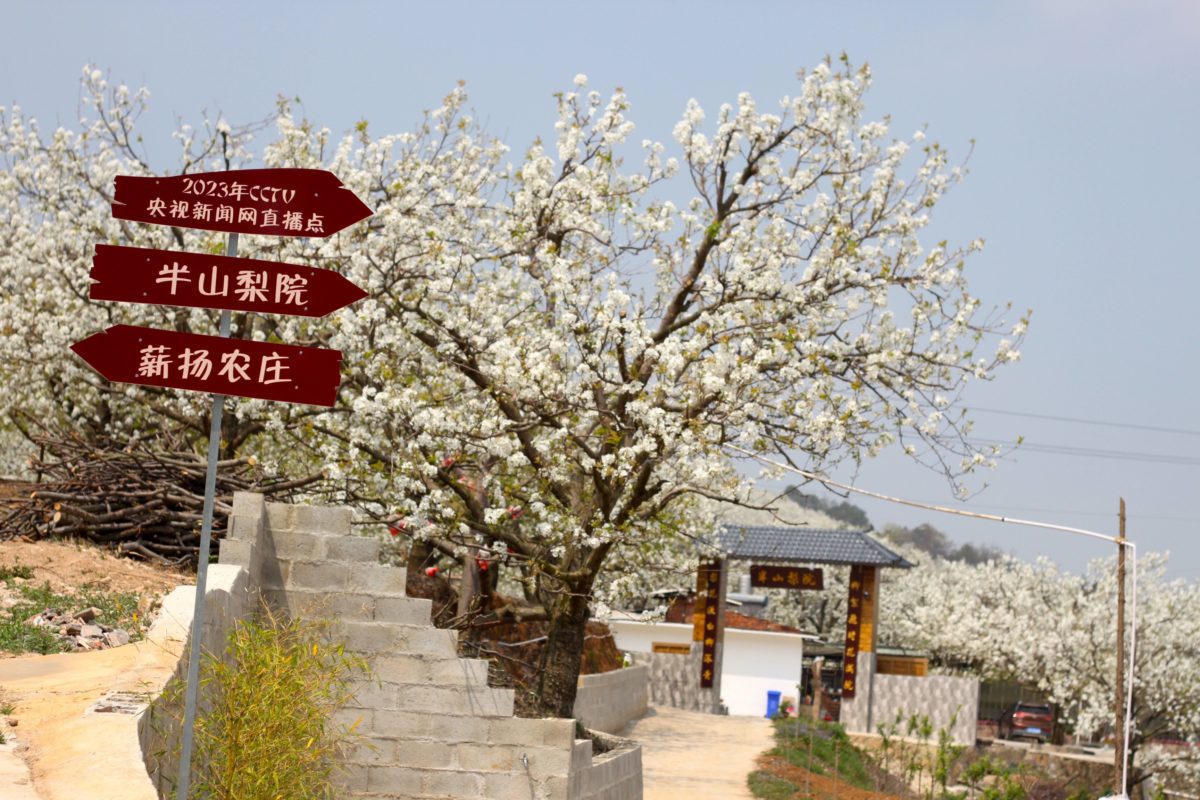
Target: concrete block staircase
x,y
432,727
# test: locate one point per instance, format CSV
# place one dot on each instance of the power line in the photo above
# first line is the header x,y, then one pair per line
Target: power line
x,y
1093,452
1075,512
1080,421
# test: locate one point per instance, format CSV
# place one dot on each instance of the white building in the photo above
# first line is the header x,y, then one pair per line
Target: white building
x,y
756,661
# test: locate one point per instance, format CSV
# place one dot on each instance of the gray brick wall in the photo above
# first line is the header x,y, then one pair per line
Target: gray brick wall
x,y
432,726
675,680
949,702
608,701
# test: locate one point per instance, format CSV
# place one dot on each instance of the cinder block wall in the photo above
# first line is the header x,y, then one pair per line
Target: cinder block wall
x,y
949,702
675,679
227,598
432,725
609,700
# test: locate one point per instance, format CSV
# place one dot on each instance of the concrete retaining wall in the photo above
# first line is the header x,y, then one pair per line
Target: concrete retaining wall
x,y
227,599
675,679
609,700
949,702
431,725
612,775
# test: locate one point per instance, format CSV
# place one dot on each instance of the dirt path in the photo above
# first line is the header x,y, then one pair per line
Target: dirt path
x,y
692,756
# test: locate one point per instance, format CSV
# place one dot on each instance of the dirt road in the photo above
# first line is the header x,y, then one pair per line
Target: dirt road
x,y
692,756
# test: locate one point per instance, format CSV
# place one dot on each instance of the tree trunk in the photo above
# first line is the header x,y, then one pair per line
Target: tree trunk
x,y
559,673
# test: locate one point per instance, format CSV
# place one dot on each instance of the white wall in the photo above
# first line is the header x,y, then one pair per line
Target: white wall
x,y
635,636
756,662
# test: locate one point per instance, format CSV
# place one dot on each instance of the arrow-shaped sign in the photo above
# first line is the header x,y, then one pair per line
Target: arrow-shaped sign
x,y
197,363
166,277
271,202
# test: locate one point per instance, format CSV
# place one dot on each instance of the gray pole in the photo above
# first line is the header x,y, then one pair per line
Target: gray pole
x,y
210,488
1119,755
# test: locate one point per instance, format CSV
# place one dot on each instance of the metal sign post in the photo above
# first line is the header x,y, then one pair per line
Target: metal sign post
x,y
210,490
274,202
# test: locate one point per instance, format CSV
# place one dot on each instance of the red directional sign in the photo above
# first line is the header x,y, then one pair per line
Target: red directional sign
x,y
172,278
197,363
271,202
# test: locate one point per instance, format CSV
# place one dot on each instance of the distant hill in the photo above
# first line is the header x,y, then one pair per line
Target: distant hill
x,y
930,540
850,515
779,510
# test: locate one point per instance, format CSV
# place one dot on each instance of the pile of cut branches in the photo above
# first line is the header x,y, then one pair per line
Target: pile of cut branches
x,y
144,499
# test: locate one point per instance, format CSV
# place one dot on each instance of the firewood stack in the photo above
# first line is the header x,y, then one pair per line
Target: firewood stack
x,y
143,499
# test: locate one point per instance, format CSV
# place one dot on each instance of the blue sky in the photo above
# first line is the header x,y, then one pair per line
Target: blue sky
x,y
1083,114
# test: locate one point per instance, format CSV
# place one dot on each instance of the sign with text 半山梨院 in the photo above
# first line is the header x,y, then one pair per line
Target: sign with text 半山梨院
x,y
268,202
215,364
776,577
198,280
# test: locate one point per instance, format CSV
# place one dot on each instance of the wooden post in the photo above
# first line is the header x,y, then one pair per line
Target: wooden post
x,y
1119,704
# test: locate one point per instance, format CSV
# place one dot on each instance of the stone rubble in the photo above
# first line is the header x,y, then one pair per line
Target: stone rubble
x,y
82,630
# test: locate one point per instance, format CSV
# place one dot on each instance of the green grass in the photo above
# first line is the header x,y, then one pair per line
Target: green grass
x,y
117,609
23,571
768,787
820,747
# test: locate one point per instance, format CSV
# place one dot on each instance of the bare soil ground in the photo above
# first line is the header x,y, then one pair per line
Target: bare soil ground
x,y
818,787
74,565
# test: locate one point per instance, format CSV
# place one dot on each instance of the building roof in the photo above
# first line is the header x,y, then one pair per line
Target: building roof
x,y
681,609
805,545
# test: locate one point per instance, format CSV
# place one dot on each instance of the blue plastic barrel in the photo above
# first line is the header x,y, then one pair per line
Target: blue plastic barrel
x,y
772,703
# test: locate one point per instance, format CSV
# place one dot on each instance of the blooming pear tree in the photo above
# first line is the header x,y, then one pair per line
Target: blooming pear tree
x,y
558,349
1011,620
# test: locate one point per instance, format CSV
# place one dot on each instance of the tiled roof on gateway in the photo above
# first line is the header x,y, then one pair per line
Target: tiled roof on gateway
x,y
806,545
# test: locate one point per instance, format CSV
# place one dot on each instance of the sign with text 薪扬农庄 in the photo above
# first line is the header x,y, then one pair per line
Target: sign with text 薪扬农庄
x,y
214,364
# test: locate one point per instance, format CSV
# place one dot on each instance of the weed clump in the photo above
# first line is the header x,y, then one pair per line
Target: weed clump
x,y
265,728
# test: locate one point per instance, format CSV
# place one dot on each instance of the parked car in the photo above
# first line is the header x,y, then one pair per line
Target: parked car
x,y
1034,720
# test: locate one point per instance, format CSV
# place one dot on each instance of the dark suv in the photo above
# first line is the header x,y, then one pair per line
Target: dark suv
x,y
1035,720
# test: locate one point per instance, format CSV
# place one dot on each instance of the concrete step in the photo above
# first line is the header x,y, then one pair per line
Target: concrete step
x,y
306,546
421,670
393,638
331,576
352,606
309,519
391,782
428,698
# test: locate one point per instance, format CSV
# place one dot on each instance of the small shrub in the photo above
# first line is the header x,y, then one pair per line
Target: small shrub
x,y
266,731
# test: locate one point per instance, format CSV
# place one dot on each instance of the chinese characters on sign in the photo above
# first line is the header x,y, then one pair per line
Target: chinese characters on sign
x,y
286,202
164,277
272,202
710,579
787,577
854,611
215,364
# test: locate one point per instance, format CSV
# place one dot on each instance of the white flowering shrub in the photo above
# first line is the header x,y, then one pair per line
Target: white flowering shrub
x,y
556,348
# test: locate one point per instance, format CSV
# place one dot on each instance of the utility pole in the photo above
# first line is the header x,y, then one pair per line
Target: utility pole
x,y
1119,704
